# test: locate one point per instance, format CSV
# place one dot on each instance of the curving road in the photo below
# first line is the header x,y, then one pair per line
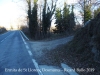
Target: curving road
x,y
14,57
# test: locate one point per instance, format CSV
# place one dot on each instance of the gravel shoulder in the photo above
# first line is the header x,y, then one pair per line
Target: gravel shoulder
x,y
40,48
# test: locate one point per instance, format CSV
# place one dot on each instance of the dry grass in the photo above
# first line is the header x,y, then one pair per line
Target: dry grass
x,y
74,60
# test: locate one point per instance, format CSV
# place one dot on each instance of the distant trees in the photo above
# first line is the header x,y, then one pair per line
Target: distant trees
x,y
2,29
25,29
64,19
58,16
40,16
11,27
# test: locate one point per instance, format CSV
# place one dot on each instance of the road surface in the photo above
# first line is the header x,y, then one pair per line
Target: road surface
x,y
14,57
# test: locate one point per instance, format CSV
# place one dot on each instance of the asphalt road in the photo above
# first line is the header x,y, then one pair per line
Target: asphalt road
x,y
14,57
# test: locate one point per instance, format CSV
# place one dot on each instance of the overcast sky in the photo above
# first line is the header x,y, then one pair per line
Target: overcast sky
x,y
11,11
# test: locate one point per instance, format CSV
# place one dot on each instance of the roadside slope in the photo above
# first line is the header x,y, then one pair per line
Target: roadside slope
x,y
83,51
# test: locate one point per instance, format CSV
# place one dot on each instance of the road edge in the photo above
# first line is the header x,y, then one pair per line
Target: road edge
x,y
24,35
30,53
5,37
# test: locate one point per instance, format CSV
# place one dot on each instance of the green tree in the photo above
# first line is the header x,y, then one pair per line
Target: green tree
x,y
29,16
66,14
96,11
88,13
86,7
64,19
34,20
46,16
58,16
32,16
44,24
72,20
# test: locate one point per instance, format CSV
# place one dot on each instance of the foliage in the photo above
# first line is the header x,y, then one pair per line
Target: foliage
x,y
96,11
29,16
32,15
2,30
44,25
72,20
34,19
66,16
58,16
64,19
86,7
25,29
88,13
47,15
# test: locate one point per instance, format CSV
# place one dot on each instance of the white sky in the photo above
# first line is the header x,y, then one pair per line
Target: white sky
x,y
10,11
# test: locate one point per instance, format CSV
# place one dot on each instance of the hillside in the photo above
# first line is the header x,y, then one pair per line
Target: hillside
x,y
83,51
88,38
85,47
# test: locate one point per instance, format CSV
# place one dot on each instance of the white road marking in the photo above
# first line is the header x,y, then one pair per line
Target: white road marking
x,y
72,72
33,60
25,43
37,67
27,47
24,35
30,53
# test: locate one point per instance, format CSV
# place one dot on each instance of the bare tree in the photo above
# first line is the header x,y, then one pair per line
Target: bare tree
x,y
85,4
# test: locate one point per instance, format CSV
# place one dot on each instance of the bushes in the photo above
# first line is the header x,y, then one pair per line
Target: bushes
x,y
25,29
2,30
